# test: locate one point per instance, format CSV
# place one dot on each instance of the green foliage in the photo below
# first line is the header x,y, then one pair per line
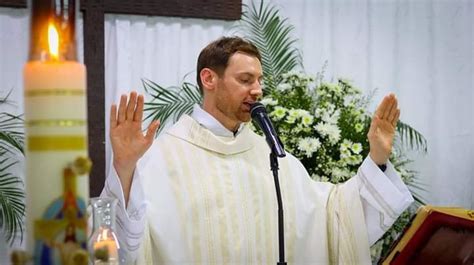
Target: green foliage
x,y
12,205
11,136
168,104
412,138
271,33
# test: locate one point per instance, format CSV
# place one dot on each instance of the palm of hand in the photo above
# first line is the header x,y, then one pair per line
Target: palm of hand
x,y
128,141
382,129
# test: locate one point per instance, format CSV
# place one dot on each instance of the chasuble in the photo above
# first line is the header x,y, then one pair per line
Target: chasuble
x,y
202,198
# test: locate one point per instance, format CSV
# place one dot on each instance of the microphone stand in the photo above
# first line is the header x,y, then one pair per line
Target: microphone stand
x,y
281,230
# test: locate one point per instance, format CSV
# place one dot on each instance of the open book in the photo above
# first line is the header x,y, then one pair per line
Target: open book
x,y
436,235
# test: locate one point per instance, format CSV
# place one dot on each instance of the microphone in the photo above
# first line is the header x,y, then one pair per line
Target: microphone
x,y
259,115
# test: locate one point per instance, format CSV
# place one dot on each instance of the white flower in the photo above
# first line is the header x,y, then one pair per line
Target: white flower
x,y
268,101
319,112
345,145
345,154
354,159
357,112
334,88
332,131
356,148
302,112
331,118
309,145
319,178
297,129
290,119
292,73
339,174
283,87
307,119
330,108
293,114
359,127
279,112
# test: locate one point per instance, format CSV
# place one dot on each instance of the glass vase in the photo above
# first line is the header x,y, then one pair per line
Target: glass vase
x,y
103,243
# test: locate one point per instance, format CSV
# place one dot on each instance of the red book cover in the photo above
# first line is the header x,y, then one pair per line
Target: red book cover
x,y
437,235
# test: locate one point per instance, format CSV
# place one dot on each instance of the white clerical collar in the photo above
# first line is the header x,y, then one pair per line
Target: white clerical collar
x,y
208,121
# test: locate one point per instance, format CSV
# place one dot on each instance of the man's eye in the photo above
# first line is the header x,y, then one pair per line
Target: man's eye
x,y
245,81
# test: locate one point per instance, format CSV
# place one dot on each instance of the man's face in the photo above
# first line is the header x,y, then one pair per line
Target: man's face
x,y
238,88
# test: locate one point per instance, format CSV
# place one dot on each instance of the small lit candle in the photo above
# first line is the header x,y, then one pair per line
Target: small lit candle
x,y
106,241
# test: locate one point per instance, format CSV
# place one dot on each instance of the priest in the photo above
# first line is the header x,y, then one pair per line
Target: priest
x,y
203,192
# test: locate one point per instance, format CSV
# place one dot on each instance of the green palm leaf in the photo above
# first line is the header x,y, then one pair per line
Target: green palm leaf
x,y
168,104
12,205
11,135
411,137
264,27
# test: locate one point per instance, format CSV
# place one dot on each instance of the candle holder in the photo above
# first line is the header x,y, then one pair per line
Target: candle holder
x,y
53,30
103,243
57,164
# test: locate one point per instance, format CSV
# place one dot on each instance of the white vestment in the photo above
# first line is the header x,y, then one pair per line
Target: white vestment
x,y
211,200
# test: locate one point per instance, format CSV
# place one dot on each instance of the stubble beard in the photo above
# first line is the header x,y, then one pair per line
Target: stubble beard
x,y
236,114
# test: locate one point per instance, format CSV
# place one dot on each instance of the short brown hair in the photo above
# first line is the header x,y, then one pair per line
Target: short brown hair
x,y
216,54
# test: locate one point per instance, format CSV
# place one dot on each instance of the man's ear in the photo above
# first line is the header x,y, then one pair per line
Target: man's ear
x,y
208,79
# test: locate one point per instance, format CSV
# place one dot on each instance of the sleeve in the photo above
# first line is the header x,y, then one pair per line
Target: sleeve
x,y
130,219
384,197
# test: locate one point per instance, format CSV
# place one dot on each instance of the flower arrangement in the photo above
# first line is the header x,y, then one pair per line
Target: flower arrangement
x,y
325,125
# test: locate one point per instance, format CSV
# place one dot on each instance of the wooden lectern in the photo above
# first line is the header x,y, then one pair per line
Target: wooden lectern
x,y
436,235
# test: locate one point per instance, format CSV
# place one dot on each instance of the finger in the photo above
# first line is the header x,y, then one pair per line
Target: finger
x,y
382,107
389,107
138,115
373,125
393,110
392,114
132,102
113,116
395,119
151,131
122,107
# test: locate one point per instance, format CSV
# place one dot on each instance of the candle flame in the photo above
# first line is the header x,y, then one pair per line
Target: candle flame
x,y
53,41
104,234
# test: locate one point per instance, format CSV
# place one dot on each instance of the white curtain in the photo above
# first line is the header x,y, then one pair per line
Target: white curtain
x,y
421,50
160,49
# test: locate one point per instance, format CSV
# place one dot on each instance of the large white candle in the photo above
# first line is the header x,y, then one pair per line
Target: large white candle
x,y
56,135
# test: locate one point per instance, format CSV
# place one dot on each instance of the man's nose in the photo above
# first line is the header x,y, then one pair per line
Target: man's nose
x,y
256,90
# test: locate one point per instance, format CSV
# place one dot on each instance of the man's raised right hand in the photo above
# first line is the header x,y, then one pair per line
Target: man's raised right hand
x,y
128,142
